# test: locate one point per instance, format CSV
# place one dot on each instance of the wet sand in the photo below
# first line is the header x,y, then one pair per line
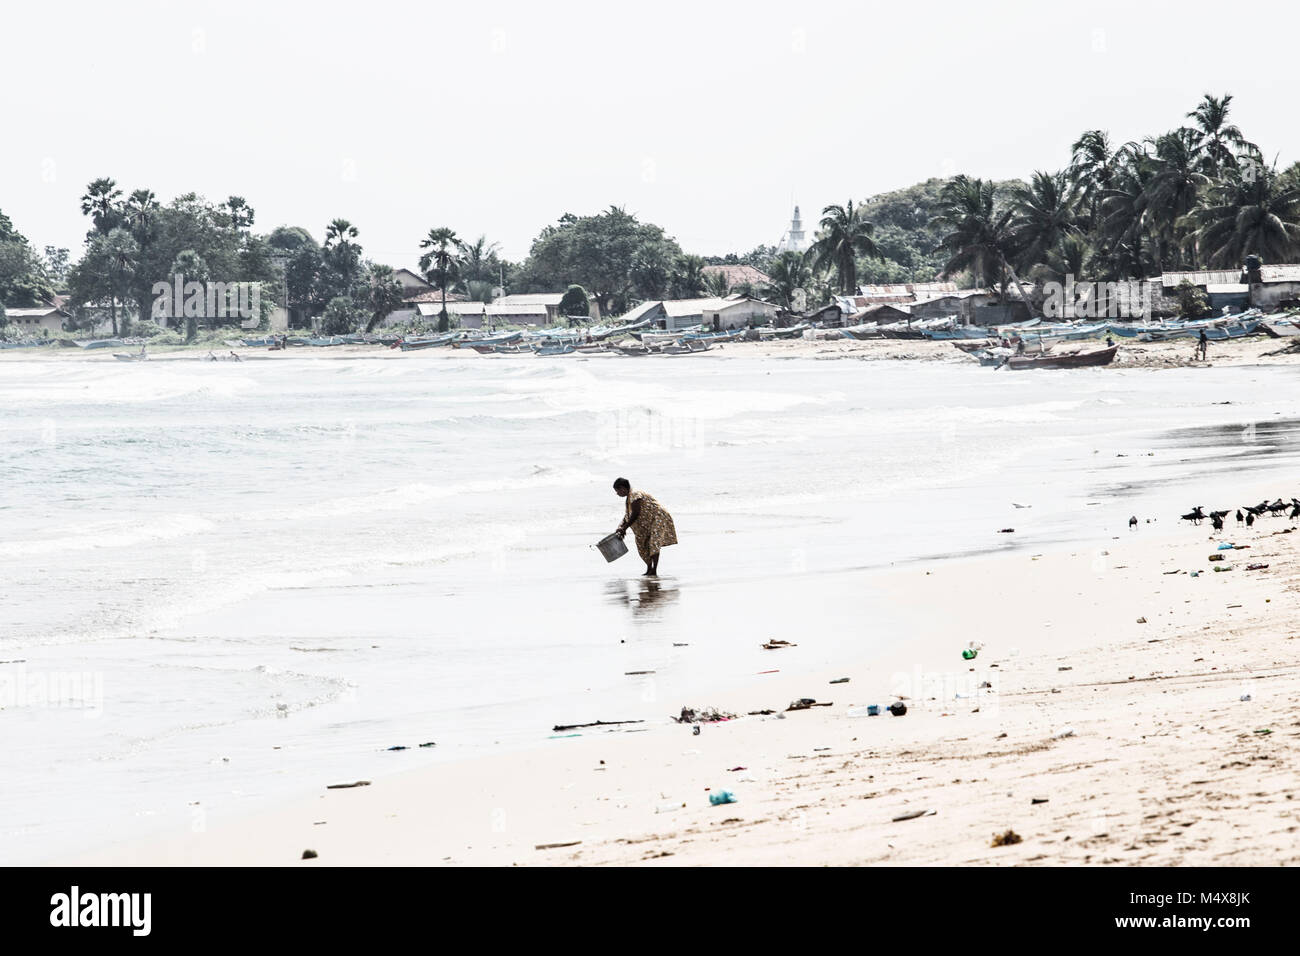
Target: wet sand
x,y
1178,353
1160,729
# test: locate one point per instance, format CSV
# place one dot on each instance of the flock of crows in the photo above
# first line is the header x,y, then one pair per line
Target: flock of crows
x,y
1245,515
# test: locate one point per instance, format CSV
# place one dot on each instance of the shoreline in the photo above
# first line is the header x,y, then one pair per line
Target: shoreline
x,y
1114,682
1254,350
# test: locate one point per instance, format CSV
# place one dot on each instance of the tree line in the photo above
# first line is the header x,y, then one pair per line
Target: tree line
x,y
1198,196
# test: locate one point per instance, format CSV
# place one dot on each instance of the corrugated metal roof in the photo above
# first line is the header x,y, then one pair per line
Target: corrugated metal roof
x,y
531,298
36,313
1219,277
1280,273
1227,288
479,308
676,308
640,312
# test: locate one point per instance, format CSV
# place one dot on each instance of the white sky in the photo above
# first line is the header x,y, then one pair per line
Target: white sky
x,y
497,117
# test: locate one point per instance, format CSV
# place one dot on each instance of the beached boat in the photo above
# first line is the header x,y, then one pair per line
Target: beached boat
x,y
506,338
426,342
863,332
683,348
130,356
651,339
558,348
957,333
731,335
1216,332
1069,360
103,343
974,345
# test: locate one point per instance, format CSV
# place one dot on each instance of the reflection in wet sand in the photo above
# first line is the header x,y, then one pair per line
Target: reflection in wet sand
x,y
648,596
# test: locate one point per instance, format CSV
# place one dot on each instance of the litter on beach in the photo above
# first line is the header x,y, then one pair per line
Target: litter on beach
x,y
347,786
913,815
803,703
559,728
1006,839
706,715
774,645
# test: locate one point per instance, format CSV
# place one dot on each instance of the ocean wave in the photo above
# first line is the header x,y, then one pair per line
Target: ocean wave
x,y
118,534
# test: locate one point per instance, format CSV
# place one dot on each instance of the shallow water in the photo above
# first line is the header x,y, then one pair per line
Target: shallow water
x,y
246,580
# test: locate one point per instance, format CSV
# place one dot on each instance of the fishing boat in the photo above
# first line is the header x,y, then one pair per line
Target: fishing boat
x,y
1216,332
559,348
863,332
683,348
130,356
957,333
651,339
103,343
506,338
729,336
425,342
1070,360
974,345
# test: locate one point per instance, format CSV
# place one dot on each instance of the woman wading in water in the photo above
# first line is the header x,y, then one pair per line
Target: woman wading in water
x,y
650,523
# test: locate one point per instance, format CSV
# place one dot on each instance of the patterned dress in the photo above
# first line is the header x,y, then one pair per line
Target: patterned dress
x,y
653,528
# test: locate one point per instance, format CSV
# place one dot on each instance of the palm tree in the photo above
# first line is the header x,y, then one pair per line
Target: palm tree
x,y
688,277
342,250
1175,185
1257,214
441,264
978,236
384,296
100,204
139,213
1126,218
1216,135
716,284
480,259
1072,256
340,233
1043,215
1092,167
845,234
787,273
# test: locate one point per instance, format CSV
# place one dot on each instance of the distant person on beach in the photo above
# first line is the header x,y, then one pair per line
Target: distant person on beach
x,y
1203,345
649,521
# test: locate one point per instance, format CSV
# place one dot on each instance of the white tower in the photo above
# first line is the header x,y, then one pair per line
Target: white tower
x,y
794,237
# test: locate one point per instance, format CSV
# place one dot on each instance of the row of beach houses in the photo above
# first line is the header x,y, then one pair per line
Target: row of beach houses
x,y
423,302
1267,287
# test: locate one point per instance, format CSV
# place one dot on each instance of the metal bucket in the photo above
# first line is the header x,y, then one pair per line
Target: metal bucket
x,y
612,547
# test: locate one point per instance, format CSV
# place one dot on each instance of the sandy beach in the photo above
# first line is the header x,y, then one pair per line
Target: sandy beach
x,y
1255,350
1160,730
